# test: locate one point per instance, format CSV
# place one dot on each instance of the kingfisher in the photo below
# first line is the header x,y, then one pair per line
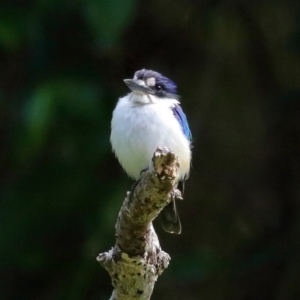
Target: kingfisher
x,y
150,116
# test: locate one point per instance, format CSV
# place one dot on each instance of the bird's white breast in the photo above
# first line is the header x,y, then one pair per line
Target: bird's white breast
x,y
137,129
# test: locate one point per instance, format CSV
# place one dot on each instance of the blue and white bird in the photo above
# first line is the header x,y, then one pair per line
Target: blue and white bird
x,y
150,117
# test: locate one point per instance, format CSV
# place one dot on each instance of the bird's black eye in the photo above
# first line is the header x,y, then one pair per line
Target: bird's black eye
x,y
158,87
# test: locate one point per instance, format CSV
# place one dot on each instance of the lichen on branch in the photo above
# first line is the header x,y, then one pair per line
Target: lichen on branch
x,y
137,259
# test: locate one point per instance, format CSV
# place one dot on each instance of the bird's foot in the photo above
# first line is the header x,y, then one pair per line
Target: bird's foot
x,y
144,170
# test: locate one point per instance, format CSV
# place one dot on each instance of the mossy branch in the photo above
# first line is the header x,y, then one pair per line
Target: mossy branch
x,y
137,259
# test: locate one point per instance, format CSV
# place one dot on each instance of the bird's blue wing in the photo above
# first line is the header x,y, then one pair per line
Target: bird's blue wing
x,y
181,118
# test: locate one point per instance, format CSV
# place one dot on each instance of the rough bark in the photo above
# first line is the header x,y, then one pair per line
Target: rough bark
x,y
137,259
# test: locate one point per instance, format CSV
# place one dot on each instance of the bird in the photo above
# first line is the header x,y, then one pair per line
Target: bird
x,y
150,116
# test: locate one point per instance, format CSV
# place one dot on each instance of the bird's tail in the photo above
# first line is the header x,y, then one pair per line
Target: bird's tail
x,y
170,218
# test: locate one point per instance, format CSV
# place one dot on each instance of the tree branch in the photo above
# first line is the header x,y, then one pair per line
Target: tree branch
x,y
137,260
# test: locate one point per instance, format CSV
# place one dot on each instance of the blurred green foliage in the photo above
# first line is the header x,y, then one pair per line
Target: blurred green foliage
x,y
61,69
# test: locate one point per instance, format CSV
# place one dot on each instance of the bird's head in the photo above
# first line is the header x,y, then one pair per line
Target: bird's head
x,y
148,86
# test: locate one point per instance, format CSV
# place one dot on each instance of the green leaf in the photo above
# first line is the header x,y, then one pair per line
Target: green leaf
x,y
108,18
39,112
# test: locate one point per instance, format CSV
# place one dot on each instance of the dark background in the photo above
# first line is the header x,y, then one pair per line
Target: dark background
x,y
237,67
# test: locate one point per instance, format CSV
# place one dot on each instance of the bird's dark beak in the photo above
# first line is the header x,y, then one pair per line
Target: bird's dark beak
x,y
138,86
